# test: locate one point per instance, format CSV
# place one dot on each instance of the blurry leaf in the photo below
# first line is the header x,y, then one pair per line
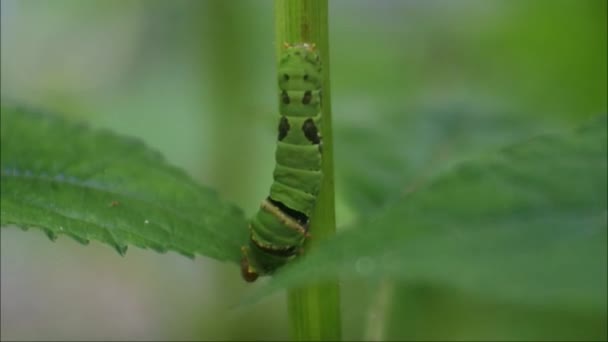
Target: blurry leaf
x,y
526,224
380,159
553,70
94,185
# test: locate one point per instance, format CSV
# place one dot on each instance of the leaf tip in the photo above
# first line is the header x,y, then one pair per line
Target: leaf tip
x,y
80,239
187,254
121,249
50,234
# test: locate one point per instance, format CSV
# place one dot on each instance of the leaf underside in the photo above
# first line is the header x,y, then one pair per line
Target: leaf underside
x,y
65,178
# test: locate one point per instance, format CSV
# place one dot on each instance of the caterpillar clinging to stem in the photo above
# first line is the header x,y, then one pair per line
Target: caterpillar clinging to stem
x,y
279,228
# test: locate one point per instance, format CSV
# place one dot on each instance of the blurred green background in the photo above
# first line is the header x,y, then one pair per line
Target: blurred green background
x,y
416,86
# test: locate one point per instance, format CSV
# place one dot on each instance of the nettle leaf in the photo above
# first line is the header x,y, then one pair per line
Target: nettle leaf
x,y
526,224
402,152
64,178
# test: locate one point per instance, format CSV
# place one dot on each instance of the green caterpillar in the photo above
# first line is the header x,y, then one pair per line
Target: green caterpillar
x,y
278,230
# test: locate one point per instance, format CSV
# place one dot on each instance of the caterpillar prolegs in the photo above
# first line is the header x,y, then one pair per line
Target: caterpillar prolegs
x,y
279,228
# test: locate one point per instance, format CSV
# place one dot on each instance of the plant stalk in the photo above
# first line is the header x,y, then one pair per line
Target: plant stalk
x,y
314,311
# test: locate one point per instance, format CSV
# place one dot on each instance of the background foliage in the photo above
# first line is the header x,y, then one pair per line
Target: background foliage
x,y
417,87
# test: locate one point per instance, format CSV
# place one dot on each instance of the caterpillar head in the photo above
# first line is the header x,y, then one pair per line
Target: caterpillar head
x,y
304,52
300,67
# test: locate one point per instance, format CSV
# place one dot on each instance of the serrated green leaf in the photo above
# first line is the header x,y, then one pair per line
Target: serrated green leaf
x,y
526,224
94,185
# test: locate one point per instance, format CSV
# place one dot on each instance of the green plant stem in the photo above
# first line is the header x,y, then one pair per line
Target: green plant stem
x,y
314,311
379,310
